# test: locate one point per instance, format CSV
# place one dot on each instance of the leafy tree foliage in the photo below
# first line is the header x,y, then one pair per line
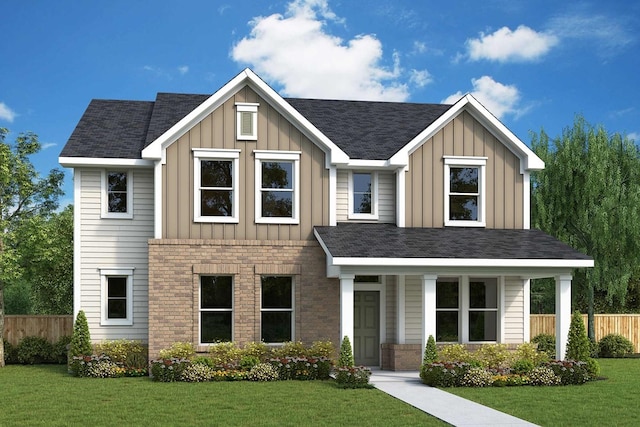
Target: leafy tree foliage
x,y
588,196
23,194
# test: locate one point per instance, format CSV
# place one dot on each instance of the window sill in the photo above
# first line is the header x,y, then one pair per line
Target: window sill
x,y
217,219
122,322
116,216
289,221
464,224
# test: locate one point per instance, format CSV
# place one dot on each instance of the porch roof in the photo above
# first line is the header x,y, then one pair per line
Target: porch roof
x,y
376,244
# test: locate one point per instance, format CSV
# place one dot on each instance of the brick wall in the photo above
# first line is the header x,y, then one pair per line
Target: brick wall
x,y
175,266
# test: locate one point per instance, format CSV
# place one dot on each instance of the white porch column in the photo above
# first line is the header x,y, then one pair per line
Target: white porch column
x,y
346,307
563,313
428,308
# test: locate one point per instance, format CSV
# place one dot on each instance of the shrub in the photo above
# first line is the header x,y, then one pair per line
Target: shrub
x,y
593,368
430,351
528,352
168,370
493,355
203,360
543,375
263,372
302,368
225,353
34,350
248,362
353,376
570,371
522,366
324,349
455,353
614,345
120,350
578,346
258,350
60,350
476,377
178,350
345,359
290,349
96,367
81,339
9,353
546,343
196,373
444,374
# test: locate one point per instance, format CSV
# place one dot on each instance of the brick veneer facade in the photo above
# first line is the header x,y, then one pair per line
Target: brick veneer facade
x,y
175,266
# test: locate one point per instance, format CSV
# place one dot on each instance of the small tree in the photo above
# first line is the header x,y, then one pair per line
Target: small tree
x,y
430,351
346,354
578,345
81,339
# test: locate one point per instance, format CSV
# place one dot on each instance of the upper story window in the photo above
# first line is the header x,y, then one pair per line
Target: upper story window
x,y
247,121
117,194
464,190
363,195
277,187
215,185
117,296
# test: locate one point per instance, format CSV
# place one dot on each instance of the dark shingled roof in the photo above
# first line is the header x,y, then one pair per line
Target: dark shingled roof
x,y
110,129
363,129
368,130
389,241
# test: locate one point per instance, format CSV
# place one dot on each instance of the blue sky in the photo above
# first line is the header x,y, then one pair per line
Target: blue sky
x,y
534,64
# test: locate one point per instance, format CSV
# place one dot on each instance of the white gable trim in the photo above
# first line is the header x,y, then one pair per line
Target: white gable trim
x,y
246,77
528,159
75,162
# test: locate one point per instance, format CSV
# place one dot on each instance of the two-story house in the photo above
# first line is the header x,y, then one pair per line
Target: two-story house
x,y
246,216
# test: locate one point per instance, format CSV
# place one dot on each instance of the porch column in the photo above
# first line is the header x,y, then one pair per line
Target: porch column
x,y
563,313
428,308
346,307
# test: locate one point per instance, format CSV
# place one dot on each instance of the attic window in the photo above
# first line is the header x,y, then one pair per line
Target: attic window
x,y
247,121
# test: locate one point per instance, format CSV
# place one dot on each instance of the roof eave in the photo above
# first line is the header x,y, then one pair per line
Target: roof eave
x,y
76,162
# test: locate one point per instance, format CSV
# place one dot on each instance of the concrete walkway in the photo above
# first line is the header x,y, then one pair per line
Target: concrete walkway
x,y
452,409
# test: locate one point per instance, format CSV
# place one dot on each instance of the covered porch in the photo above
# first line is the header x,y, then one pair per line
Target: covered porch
x,y
461,285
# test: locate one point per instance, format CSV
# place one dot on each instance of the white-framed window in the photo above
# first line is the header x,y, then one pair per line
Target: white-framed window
x,y
467,309
465,192
216,181
116,296
216,309
246,121
277,187
363,195
276,309
117,194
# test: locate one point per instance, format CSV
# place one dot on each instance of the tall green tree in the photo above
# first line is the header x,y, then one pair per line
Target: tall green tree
x,y
23,194
588,196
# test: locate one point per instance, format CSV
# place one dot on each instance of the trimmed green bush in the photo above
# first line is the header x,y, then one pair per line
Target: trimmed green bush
x,y
522,367
60,350
353,377
546,343
455,353
34,350
10,356
578,345
81,338
178,350
346,354
256,349
248,362
614,345
290,349
168,370
493,355
225,353
324,349
430,351
528,352
570,371
444,374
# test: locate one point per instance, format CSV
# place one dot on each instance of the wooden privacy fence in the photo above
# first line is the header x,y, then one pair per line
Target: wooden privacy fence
x,y
52,328
627,325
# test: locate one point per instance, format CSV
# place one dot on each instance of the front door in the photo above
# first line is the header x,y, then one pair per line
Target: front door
x,y
366,328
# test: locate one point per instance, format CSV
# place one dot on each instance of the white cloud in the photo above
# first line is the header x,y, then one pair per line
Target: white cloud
x,y
504,45
7,113
419,47
420,78
183,69
296,51
48,145
635,136
498,98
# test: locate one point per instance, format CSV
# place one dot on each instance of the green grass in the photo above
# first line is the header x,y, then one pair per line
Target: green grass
x,y
611,402
45,395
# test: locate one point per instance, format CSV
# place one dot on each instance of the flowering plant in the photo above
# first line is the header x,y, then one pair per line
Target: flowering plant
x,y
353,376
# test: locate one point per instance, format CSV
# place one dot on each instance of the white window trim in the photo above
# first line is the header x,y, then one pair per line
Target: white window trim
x,y
292,309
374,197
247,107
200,154
225,310
463,161
105,273
283,156
104,202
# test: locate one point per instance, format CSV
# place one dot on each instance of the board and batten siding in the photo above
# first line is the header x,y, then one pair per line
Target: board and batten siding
x,y
464,136
513,310
110,243
386,197
218,130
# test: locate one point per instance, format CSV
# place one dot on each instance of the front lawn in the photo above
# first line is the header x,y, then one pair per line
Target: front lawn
x,y
45,395
610,402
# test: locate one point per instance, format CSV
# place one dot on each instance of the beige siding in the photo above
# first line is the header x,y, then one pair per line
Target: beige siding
x,y
386,197
413,310
464,136
114,243
218,131
513,310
